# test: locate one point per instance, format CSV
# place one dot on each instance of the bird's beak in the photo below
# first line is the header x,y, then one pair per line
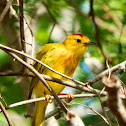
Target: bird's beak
x,y
90,43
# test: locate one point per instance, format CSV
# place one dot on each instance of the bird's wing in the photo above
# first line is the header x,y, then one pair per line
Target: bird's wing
x,y
43,55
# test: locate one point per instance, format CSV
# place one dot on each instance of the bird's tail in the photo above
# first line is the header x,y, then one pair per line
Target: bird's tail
x,y
39,113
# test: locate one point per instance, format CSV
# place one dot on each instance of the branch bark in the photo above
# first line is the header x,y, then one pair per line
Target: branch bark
x,y
120,67
43,98
21,15
5,10
67,83
24,54
97,35
114,101
5,114
40,78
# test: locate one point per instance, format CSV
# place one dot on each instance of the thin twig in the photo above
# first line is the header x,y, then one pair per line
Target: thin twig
x,y
91,110
121,66
24,54
3,100
103,109
53,112
97,36
32,69
46,77
43,98
32,42
27,43
5,10
32,34
51,32
5,114
21,14
13,12
91,16
109,75
48,115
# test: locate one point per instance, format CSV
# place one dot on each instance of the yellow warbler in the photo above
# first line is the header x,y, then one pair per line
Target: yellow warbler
x,y
63,58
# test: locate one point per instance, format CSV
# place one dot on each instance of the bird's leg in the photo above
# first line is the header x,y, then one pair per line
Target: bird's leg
x,y
48,98
70,97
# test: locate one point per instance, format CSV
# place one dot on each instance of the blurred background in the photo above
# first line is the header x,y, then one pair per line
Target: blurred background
x,y
49,21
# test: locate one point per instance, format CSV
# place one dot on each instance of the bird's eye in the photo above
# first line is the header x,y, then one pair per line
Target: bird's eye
x,y
78,40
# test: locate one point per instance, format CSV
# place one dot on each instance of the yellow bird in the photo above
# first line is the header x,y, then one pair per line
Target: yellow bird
x,y
63,58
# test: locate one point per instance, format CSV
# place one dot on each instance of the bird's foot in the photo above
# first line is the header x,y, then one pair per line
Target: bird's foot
x,y
48,98
70,97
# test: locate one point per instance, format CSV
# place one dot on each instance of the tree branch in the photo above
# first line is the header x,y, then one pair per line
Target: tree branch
x,y
48,115
21,15
24,54
5,10
43,98
97,36
74,103
67,83
115,103
5,114
40,78
119,67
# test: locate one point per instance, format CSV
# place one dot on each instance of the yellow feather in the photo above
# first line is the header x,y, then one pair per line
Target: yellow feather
x,y
62,57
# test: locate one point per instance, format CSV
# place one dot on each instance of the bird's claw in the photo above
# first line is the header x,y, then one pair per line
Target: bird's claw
x,y
48,98
70,96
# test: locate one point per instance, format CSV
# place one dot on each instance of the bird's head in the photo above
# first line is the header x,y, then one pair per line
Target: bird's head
x,y
77,43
